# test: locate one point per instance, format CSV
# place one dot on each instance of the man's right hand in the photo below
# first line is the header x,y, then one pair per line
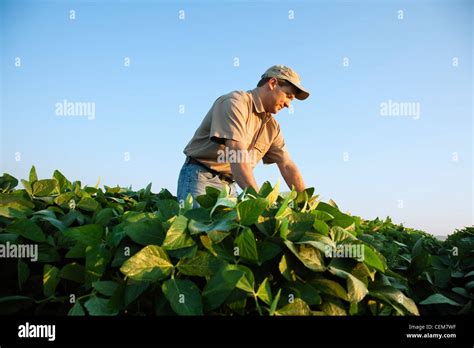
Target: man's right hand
x,y
241,170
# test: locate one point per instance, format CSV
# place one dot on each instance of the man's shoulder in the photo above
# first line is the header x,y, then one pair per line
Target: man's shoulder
x,y
238,96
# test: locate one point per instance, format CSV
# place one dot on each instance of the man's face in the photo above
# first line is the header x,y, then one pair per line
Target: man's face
x,y
278,97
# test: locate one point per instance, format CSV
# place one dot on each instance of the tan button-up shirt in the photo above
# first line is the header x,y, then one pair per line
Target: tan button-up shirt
x,y
239,116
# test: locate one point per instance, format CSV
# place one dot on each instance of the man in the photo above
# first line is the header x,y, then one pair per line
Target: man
x,y
237,132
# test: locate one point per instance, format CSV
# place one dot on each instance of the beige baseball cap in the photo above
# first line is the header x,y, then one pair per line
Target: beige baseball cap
x,y
286,73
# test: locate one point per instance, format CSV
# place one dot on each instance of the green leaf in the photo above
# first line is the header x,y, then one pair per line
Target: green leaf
x,y
247,245
329,287
342,220
267,251
47,253
76,310
419,263
310,256
322,215
73,271
461,291
338,234
442,277
104,216
134,289
298,307
42,188
33,176
97,259
285,269
333,306
87,234
49,216
298,224
324,207
99,306
439,299
372,259
281,213
7,182
305,291
88,204
248,211
149,264
63,183
247,281
219,287
418,248
470,274
77,251
209,199
273,195
105,287
167,208
146,232
8,237
184,296
396,298
274,305
321,227
27,229
356,290
229,202
188,202
320,242
217,236
177,236
225,225
15,207
332,203
202,264
198,214
264,292
64,198
265,189
27,187
50,280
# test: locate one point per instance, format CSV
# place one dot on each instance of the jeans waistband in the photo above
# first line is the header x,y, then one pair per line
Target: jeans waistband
x,y
223,177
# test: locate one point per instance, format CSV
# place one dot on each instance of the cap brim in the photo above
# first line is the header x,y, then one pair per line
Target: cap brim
x,y
302,93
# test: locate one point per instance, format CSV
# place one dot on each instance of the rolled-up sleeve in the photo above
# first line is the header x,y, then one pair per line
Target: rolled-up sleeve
x,y
228,121
277,152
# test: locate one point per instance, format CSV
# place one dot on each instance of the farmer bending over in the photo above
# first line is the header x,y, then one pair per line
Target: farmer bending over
x,y
238,131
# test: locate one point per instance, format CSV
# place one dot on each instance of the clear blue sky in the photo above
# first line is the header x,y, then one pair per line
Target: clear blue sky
x,y
191,62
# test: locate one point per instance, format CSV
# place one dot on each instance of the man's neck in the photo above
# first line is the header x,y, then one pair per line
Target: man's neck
x,y
260,94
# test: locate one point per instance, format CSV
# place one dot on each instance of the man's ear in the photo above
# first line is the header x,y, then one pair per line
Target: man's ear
x,y
272,83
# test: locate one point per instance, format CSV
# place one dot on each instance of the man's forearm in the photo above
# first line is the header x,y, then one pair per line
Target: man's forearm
x,y
243,175
292,176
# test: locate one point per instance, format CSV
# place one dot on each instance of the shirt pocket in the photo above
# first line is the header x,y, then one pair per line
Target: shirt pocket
x,y
260,149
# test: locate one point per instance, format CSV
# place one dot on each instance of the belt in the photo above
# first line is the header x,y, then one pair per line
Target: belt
x,y
221,176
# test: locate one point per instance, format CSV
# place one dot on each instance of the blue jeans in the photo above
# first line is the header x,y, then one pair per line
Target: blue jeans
x,y
194,179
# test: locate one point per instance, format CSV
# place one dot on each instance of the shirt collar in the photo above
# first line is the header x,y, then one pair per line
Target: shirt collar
x,y
257,102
